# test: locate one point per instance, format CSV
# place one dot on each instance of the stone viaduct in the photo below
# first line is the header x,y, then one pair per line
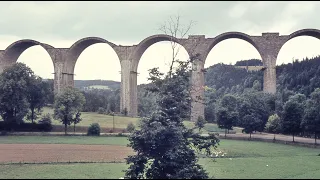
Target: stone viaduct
x,y
64,59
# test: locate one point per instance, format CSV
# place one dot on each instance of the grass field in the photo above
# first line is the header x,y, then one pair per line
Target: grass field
x,y
244,159
103,120
122,122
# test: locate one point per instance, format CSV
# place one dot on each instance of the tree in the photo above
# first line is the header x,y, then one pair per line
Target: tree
x,y
274,124
292,115
164,146
311,118
226,113
67,106
250,123
37,96
131,127
256,104
76,120
14,84
200,123
256,85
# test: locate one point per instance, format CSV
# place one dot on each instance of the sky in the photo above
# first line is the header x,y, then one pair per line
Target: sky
x,y
61,24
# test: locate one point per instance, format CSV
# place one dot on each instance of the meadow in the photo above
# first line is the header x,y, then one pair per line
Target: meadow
x,y
243,159
121,122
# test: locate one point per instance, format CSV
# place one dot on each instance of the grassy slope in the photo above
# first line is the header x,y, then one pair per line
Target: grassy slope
x,y
244,159
122,122
104,120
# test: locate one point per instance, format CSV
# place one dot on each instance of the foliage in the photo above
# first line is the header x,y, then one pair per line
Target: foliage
x,y
257,85
274,124
14,85
165,148
226,113
76,120
45,119
156,156
102,98
311,119
67,106
25,127
293,114
130,127
94,130
125,112
101,110
251,62
200,123
38,95
83,85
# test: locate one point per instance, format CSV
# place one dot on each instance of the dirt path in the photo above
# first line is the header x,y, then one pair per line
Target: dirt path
x,y
62,153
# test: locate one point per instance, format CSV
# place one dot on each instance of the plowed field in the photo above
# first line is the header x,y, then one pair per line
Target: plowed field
x,y
35,153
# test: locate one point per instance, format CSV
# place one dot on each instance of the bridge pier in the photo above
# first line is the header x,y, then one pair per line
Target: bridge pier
x,y
197,90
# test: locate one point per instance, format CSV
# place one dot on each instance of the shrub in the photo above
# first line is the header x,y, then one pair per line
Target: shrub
x,y
125,112
45,122
200,123
101,110
131,127
94,130
46,119
25,127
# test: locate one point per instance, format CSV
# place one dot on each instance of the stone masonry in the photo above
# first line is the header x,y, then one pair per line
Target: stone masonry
x,y
198,46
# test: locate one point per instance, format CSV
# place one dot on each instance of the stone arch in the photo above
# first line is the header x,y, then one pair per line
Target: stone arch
x,y
305,32
147,42
302,32
231,35
78,47
14,50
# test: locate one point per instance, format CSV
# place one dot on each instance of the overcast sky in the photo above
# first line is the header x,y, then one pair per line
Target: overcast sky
x,y
60,24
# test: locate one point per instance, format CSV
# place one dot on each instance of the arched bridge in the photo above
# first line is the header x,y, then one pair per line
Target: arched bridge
x,y
268,46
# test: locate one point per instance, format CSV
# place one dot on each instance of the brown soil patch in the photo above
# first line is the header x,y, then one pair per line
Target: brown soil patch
x,y
35,153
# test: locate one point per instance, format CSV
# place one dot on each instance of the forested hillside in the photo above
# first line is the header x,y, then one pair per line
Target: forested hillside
x,y
83,84
296,77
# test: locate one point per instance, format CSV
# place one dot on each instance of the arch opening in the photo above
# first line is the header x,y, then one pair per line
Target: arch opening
x,y
32,53
159,54
98,61
13,51
298,62
298,47
38,59
230,50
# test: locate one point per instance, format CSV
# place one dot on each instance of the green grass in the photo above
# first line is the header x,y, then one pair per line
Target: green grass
x,y
64,171
210,127
122,122
63,140
103,120
244,159
247,159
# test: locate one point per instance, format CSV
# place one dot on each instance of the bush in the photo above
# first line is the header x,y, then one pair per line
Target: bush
x,y
131,127
46,121
125,112
101,110
25,127
94,130
200,122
